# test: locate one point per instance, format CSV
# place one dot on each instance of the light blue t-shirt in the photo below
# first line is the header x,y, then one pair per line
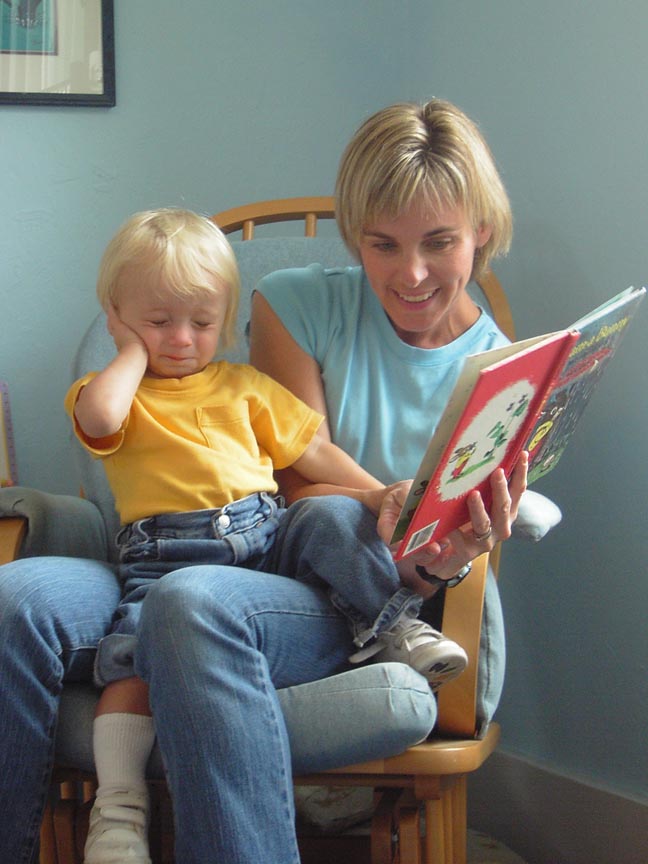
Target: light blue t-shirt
x,y
384,397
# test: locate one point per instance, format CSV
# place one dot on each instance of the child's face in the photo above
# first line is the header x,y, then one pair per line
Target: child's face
x,y
180,334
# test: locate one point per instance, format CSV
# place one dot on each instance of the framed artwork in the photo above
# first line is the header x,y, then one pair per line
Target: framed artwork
x,y
57,52
8,472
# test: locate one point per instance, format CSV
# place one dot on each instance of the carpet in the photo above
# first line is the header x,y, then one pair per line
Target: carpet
x,y
326,811
483,849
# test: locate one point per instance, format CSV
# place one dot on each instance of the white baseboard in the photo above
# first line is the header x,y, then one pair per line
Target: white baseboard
x,y
550,819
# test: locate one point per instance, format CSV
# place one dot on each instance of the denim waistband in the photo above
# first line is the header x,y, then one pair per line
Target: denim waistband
x,y
231,517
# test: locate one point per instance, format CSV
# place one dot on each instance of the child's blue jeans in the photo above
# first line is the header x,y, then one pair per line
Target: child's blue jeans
x,y
330,540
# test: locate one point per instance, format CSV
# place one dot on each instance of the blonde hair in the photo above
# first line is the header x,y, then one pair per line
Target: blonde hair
x,y
430,154
188,252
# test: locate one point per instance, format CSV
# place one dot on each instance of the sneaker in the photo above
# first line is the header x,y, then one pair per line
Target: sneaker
x,y
415,643
118,829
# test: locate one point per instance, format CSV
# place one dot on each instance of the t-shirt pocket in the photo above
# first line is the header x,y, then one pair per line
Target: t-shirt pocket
x,y
227,430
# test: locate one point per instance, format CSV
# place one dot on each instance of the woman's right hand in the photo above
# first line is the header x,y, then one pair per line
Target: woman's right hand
x,y
446,557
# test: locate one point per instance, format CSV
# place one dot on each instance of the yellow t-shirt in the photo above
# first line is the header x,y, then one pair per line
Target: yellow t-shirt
x,y
201,441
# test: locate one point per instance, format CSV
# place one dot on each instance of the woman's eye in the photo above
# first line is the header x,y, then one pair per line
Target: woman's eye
x,y
439,244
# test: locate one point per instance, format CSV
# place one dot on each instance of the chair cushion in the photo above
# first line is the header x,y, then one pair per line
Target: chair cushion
x,y
492,657
339,713
537,515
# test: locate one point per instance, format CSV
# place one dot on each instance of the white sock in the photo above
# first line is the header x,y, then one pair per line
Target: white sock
x,y
122,744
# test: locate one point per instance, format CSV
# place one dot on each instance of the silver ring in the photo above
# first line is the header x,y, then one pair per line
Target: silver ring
x,y
481,537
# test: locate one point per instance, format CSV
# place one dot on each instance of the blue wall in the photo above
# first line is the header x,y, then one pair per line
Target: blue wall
x,y
561,89
217,104
256,100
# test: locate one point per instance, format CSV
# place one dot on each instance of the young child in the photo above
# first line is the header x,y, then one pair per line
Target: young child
x,y
189,446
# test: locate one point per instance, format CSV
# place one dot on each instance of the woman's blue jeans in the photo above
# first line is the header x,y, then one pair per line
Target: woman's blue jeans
x,y
53,611
214,643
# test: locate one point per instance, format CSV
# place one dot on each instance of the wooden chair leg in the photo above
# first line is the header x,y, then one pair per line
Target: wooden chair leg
x,y
64,829
434,843
383,826
448,827
48,838
460,820
409,835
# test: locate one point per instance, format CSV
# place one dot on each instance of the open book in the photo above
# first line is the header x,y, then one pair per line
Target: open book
x,y
526,395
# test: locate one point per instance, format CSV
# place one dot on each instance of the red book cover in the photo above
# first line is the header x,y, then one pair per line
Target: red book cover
x,y
486,424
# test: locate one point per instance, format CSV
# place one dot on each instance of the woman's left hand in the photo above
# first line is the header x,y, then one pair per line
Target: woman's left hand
x,y
447,557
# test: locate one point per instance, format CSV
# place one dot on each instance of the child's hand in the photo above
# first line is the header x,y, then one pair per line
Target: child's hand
x,y
121,333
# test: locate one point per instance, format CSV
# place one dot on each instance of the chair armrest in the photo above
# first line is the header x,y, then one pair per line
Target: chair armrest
x,y
462,622
12,532
537,515
53,525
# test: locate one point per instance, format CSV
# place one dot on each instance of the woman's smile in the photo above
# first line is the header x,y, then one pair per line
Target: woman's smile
x,y
418,266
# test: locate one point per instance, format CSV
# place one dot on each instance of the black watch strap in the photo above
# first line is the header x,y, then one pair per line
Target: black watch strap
x,y
448,583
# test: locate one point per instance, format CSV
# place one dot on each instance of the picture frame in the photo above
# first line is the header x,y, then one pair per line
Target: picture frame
x,y
8,470
57,53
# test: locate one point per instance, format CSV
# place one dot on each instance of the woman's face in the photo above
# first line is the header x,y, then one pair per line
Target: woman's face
x,y
418,265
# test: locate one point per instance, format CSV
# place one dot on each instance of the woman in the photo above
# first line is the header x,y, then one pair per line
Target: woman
x,y
215,643
366,347
377,348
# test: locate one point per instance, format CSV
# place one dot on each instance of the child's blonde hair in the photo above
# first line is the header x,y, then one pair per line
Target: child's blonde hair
x,y
187,251
431,154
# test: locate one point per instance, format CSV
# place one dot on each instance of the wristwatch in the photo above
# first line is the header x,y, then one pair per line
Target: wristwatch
x,y
448,583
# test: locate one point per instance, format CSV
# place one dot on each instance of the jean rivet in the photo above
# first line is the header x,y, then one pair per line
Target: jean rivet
x,y
224,521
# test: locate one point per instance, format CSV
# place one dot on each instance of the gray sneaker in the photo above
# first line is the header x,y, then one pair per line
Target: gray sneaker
x,y
420,646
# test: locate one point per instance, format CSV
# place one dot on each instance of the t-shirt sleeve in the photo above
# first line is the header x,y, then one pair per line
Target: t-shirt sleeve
x,y
299,298
96,446
283,425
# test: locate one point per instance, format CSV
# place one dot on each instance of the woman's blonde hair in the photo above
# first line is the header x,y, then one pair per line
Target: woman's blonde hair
x,y
182,250
430,154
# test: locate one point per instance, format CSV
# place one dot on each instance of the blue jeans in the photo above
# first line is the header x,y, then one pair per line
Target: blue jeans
x,y
53,611
321,541
214,643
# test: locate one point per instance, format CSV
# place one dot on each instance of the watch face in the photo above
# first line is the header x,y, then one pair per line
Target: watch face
x,y
450,583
